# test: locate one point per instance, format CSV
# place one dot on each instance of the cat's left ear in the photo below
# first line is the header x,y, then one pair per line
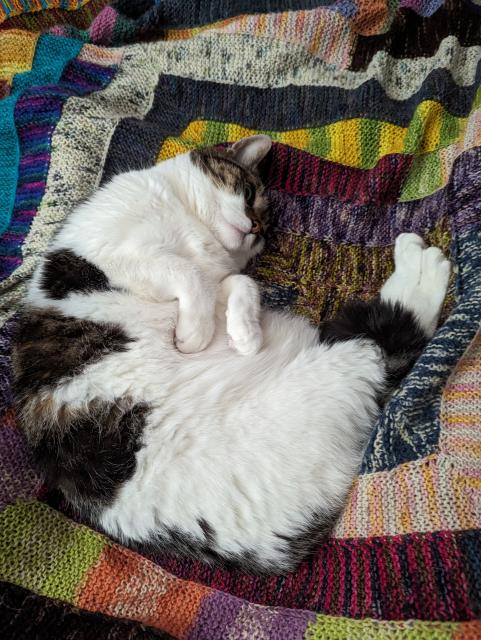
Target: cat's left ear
x,y
250,151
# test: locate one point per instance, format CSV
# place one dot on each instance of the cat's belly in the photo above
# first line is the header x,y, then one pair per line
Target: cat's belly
x,y
241,454
243,458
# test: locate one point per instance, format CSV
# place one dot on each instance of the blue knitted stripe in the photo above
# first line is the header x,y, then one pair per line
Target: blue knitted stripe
x,y
51,56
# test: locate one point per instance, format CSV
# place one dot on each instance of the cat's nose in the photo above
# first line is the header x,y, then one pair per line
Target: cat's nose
x,y
256,227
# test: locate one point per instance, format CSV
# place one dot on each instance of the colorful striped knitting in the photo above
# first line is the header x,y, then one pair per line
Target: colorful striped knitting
x,y
375,109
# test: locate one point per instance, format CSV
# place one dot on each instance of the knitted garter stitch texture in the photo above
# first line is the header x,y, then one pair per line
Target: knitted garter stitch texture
x,y
375,112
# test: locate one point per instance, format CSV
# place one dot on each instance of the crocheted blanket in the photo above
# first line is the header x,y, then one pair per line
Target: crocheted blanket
x,y
375,110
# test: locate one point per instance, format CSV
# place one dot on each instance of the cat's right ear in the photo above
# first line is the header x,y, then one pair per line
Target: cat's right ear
x,y
251,150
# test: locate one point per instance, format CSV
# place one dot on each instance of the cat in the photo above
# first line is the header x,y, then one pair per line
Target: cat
x,y
173,411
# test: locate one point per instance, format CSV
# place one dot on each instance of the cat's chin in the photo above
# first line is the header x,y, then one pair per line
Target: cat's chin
x,y
237,240
231,237
252,243
251,246
232,230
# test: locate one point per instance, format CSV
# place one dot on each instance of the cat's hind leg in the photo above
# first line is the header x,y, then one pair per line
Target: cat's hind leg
x,y
404,317
419,281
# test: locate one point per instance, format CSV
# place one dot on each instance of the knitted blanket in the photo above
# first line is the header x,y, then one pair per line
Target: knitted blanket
x,y
375,110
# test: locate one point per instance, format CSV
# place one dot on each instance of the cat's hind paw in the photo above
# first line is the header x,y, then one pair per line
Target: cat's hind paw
x,y
420,279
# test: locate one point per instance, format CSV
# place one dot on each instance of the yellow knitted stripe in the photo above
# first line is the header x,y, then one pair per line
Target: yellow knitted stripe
x,y
343,140
17,49
185,34
11,8
431,129
434,138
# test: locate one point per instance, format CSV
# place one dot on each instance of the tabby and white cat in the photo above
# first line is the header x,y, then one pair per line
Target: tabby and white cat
x,y
172,410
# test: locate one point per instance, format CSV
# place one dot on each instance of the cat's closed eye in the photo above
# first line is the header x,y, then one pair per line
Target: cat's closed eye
x,y
249,194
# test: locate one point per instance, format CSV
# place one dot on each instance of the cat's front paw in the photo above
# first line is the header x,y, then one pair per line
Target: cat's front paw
x,y
245,333
192,337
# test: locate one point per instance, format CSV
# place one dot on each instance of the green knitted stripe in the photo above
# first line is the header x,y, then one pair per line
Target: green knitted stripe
x,y
347,629
424,177
43,551
370,137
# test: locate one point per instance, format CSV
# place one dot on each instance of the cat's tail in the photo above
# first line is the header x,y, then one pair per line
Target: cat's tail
x,y
403,318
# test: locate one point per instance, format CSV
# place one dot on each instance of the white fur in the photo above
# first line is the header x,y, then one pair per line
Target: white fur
x,y
420,279
253,444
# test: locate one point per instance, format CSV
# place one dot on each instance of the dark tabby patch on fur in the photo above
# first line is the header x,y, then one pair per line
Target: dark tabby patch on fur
x,y
49,346
224,170
182,544
295,548
235,178
390,326
65,272
304,542
88,454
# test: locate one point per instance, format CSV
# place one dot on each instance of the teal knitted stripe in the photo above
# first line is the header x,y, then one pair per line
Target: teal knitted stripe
x,y
51,56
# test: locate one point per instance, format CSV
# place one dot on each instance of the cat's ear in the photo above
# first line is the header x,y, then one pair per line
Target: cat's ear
x,y
250,151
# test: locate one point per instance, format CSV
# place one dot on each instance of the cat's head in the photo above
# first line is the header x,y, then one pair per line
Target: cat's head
x,y
235,206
